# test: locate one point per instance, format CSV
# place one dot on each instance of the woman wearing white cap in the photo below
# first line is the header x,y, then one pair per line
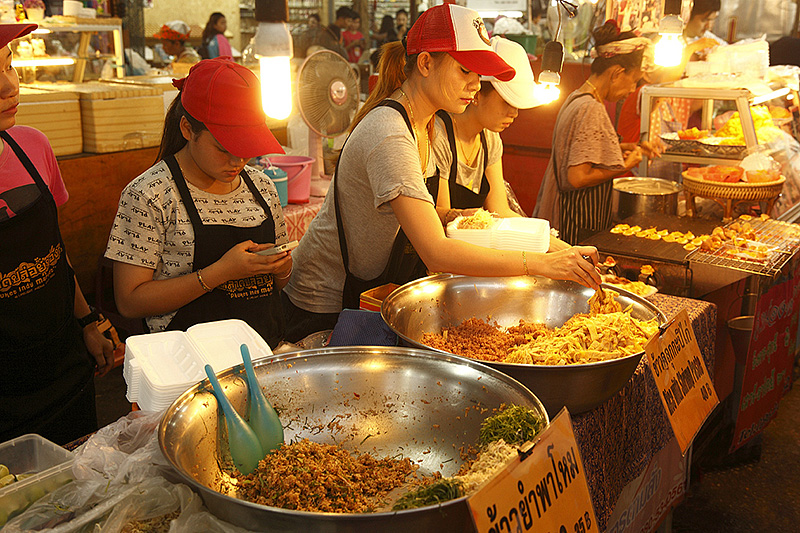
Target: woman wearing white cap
x,y
467,146
379,184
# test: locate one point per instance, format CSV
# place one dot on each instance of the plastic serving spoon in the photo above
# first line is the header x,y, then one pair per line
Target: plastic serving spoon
x,y
246,450
263,418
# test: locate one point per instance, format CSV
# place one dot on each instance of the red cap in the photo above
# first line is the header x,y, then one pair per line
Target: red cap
x,y
9,32
459,32
226,98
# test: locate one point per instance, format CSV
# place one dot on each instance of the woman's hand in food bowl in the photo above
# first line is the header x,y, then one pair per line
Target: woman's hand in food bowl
x,y
241,261
575,264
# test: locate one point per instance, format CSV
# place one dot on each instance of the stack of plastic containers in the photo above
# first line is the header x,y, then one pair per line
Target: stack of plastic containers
x,y
529,234
159,367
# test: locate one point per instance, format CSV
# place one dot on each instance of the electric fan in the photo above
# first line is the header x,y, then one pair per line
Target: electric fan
x,y
327,96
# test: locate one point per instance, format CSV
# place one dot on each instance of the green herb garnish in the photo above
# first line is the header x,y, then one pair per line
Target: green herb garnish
x,y
439,491
515,424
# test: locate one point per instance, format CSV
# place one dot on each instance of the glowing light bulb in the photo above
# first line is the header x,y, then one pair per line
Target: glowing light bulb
x,y
547,92
276,86
669,50
272,45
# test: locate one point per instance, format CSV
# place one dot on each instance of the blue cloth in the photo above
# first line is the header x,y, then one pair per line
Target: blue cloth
x,y
358,327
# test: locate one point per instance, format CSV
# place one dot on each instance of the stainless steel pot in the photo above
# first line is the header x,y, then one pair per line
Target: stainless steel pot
x,y
430,304
387,401
631,196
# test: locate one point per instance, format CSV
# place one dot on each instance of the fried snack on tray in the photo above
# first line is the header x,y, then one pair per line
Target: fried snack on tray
x,y
482,219
602,334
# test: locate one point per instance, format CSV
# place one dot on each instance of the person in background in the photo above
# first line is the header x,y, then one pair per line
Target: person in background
x,y
49,342
379,184
173,36
353,39
187,235
704,14
385,34
313,20
330,36
214,43
401,23
575,195
344,18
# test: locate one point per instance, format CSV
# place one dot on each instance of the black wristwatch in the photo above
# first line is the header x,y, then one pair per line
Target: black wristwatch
x,y
92,317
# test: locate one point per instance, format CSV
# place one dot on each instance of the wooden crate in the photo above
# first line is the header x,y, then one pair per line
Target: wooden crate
x,y
116,117
56,114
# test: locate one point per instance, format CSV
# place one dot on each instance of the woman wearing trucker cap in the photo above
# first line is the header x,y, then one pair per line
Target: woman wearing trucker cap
x,y
379,184
187,231
49,341
467,146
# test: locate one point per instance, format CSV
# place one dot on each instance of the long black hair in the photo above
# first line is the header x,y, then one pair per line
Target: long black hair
x,y
172,140
210,31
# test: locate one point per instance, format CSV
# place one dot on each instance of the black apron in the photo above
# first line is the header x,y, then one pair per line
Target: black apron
x,y
404,264
584,211
461,197
46,374
256,299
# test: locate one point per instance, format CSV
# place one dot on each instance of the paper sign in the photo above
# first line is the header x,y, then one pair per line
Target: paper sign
x,y
543,491
682,379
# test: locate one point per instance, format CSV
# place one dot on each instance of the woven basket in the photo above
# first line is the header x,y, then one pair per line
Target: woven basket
x,y
733,191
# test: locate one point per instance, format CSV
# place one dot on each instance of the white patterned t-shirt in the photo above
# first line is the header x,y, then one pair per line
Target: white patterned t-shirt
x,y
152,227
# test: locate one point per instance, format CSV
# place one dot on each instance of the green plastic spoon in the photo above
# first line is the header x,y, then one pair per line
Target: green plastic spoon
x,y
246,450
262,416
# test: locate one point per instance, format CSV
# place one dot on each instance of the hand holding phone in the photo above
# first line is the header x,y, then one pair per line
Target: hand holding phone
x,y
279,248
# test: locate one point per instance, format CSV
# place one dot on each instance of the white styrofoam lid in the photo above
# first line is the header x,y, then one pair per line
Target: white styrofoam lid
x,y
219,342
166,359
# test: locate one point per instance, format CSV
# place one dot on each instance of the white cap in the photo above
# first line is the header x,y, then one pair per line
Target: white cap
x,y
519,92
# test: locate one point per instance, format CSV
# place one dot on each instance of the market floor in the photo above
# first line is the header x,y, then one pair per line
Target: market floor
x,y
757,496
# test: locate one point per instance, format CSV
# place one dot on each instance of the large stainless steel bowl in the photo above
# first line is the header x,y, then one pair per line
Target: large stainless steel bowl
x,y
387,401
430,304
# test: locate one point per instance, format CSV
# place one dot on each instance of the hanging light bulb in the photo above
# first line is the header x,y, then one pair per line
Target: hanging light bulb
x,y
272,46
549,79
669,49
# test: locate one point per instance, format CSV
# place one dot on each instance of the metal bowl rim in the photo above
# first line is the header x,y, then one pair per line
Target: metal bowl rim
x,y
662,319
319,352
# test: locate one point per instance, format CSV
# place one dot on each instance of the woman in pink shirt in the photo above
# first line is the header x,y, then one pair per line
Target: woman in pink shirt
x,y
214,43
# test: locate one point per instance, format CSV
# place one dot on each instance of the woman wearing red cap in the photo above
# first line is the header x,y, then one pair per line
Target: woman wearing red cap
x,y
379,185
46,374
187,231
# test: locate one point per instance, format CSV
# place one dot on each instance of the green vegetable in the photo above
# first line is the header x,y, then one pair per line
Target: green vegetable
x,y
3,471
440,491
7,480
514,424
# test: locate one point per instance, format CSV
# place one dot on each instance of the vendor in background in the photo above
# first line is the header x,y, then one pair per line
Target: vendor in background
x,y
49,341
575,195
379,183
214,43
401,23
187,230
704,14
173,36
353,39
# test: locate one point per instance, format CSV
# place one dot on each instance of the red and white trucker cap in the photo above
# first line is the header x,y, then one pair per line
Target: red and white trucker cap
x,y
459,32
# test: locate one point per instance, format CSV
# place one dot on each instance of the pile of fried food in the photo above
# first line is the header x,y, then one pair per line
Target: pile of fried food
x,y
308,476
739,236
606,332
692,134
766,130
482,219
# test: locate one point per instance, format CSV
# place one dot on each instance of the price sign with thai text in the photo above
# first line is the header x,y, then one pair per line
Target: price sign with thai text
x,y
682,378
542,490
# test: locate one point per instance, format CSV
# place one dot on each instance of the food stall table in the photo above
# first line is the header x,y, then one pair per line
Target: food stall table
x,y
299,216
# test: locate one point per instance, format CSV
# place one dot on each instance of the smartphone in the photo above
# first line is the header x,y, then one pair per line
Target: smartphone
x,y
279,248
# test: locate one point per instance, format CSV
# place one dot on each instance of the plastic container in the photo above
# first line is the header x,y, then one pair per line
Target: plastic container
x,y
298,170
528,42
159,367
529,234
281,181
32,454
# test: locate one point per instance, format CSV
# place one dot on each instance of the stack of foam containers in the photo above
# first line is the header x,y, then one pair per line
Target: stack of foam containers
x,y
529,234
159,367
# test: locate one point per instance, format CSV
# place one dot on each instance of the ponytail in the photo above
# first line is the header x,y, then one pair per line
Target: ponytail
x,y
172,139
393,69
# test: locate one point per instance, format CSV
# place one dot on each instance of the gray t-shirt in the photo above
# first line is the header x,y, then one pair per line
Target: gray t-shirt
x,y
379,163
468,176
152,227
